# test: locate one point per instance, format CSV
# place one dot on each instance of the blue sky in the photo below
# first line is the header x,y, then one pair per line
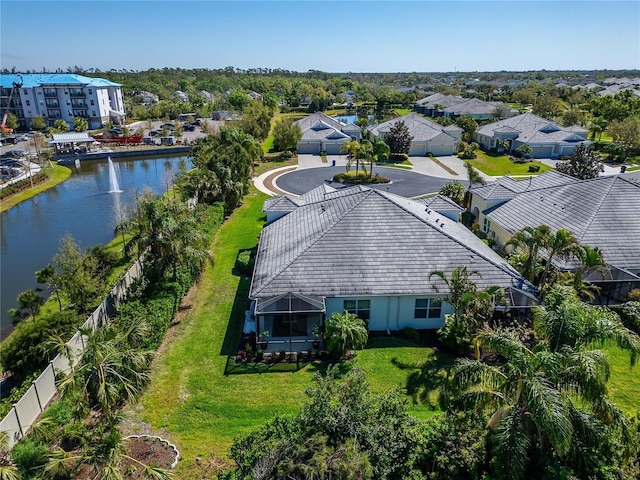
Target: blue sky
x,y
333,36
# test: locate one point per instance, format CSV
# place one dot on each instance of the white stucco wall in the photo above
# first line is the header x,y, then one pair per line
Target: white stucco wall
x,y
392,312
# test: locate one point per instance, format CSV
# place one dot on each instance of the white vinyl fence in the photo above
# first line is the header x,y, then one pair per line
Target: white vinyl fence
x,y
34,402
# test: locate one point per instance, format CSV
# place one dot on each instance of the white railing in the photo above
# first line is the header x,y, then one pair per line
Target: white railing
x,y
17,423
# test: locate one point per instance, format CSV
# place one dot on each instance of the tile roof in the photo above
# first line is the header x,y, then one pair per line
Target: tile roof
x,y
440,203
361,241
419,127
507,187
533,129
603,212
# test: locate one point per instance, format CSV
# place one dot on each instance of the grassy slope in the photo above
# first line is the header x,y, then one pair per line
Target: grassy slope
x,y
500,165
56,175
624,383
193,403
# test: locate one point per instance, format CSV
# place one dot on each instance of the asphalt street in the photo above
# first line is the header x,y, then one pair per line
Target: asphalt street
x,y
403,182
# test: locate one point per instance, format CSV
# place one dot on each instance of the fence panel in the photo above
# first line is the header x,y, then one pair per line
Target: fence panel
x,y
28,409
46,386
11,427
42,391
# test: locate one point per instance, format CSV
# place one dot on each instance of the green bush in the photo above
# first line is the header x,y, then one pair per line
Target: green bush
x,y
73,436
361,178
411,334
634,295
61,412
534,168
28,455
245,262
24,351
344,332
398,157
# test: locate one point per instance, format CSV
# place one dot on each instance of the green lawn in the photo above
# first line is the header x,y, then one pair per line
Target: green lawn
x,y
498,165
194,404
57,174
402,111
624,387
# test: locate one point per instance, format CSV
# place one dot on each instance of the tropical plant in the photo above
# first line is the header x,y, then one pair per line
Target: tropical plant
x,y
503,145
344,332
527,244
286,135
80,124
525,149
351,148
473,175
562,244
545,406
468,125
590,260
455,190
472,307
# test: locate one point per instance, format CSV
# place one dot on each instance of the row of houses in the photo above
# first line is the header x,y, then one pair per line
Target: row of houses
x,y
372,253
322,133
454,106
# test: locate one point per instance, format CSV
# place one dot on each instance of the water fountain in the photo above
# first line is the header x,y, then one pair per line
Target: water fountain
x,y
113,178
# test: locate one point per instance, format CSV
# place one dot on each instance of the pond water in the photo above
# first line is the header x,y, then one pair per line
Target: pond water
x,y
351,119
81,206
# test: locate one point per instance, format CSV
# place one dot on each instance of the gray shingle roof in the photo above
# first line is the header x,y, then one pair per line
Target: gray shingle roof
x,y
506,187
440,203
602,212
419,127
533,129
360,241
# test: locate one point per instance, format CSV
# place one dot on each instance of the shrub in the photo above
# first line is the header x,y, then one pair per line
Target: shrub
x,y
634,295
361,178
630,315
398,157
74,435
345,332
411,334
245,262
286,155
23,352
28,455
534,168
61,412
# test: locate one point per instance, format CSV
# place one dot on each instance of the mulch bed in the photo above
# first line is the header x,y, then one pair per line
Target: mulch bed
x,y
149,450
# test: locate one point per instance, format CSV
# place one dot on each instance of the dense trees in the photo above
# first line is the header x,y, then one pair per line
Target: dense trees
x,y
585,163
286,135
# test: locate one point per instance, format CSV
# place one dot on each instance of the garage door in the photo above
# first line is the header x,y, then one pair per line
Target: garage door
x,y
568,150
417,149
440,150
309,147
542,152
333,148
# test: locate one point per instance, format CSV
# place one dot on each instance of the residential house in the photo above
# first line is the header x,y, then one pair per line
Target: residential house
x,y
209,97
428,137
61,97
322,133
453,106
254,96
368,252
546,138
601,212
180,96
149,98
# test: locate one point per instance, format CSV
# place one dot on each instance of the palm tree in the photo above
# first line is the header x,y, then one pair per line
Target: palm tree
x,y
345,332
565,321
529,241
503,145
591,260
525,149
474,175
365,153
537,400
351,148
561,244
381,152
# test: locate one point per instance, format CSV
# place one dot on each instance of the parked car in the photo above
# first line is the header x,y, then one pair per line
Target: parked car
x,y
189,128
197,122
11,140
16,153
170,126
153,133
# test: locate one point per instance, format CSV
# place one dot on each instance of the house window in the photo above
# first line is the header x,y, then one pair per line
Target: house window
x,y
428,308
91,100
93,112
361,308
486,225
28,103
90,91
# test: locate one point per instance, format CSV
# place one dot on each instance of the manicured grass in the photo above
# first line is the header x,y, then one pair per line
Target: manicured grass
x,y
57,174
402,111
267,145
498,165
633,169
191,402
623,385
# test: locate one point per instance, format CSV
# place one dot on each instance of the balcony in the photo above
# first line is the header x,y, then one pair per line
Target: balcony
x,y
77,94
50,93
80,104
52,104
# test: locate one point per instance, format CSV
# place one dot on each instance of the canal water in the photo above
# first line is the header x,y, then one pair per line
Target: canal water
x,y
82,206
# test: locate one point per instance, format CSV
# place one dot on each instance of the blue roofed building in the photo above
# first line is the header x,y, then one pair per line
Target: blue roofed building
x,y
61,97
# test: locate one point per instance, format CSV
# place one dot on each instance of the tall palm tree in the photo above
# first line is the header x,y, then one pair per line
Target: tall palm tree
x,y
365,153
529,241
591,260
351,148
473,175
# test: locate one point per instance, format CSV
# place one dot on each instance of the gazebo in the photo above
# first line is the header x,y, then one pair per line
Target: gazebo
x,y
66,143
